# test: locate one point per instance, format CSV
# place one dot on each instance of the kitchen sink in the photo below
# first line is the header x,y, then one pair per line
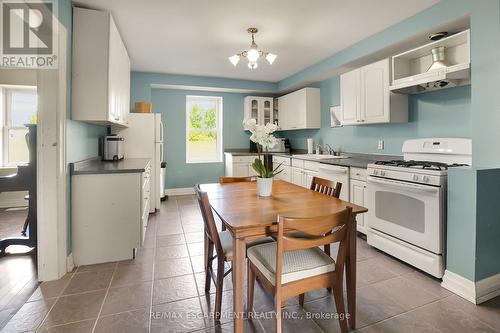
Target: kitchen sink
x,y
319,157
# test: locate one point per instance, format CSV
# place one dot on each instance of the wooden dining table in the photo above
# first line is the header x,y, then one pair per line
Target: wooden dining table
x,y
248,217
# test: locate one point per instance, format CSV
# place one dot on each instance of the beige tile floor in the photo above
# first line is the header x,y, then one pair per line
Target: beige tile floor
x,y
166,279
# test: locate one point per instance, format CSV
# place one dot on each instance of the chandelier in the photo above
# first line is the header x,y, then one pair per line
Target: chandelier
x,y
253,54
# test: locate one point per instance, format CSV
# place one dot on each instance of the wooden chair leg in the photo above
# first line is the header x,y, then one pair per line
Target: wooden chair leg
x,y
338,294
208,275
301,299
250,289
219,288
277,305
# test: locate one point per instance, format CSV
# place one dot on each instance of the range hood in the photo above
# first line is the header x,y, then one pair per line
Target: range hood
x,y
441,64
436,79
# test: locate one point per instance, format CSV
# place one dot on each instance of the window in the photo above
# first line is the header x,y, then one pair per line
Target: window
x,y
18,107
203,129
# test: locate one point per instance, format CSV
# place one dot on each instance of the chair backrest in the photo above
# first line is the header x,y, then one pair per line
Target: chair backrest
x,y
326,187
319,230
208,219
243,179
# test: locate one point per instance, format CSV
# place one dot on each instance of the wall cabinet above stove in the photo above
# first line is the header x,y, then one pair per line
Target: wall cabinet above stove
x,y
101,70
365,97
412,73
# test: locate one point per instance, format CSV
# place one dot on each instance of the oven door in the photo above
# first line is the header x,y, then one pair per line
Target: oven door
x,y
408,211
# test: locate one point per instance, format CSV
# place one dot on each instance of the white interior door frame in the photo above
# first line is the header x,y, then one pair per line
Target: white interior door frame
x,y
52,166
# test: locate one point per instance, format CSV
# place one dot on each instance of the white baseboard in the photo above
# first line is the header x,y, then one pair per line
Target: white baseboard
x,y
459,285
179,191
488,288
475,292
70,264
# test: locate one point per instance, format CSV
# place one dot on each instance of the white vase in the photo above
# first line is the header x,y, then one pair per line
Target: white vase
x,y
264,186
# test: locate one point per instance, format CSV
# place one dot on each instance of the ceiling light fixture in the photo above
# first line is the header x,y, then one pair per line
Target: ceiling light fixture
x,y
253,54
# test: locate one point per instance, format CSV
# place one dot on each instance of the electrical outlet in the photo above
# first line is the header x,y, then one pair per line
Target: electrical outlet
x,y
380,145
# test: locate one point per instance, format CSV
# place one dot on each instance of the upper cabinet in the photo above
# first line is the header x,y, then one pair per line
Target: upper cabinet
x,y
101,70
440,64
300,110
365,97
261,109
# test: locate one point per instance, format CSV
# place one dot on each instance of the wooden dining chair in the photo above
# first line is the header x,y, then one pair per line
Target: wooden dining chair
x,y
225,180
327,187
293,266
222,242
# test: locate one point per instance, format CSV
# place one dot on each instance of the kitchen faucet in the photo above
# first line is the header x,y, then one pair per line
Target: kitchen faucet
x,y
331,151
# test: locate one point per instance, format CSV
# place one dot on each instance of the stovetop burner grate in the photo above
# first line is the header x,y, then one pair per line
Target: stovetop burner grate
x,y
427,165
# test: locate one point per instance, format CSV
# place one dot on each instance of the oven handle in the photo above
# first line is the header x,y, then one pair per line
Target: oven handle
x,y
402,185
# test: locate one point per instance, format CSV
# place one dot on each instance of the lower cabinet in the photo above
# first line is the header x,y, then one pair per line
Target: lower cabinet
x,y
109,214
357,194
239,166
298,176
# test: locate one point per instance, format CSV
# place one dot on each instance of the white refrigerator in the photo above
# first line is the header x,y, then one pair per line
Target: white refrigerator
x,y
143,138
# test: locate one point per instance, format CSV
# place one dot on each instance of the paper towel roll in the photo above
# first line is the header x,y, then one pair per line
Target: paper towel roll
x,y
310,145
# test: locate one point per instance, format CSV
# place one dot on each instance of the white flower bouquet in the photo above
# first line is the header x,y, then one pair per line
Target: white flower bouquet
x,y
263,136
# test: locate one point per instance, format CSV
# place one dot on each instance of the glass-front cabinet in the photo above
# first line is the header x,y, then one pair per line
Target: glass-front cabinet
x,y
261,109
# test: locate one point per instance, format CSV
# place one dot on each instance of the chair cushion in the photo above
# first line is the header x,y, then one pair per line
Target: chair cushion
x,y
297,265
226,241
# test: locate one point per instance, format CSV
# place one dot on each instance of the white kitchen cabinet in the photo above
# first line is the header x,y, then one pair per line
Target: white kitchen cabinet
x,y
300,110
239,165
260,109
358,194
366,98
284,164
101,70
297,176
109,215
349,97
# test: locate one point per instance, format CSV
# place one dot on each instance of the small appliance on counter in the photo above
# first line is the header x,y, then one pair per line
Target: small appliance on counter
x,y
112,148
283,146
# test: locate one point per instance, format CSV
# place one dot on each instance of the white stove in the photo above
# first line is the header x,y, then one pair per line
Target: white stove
x,y
407,201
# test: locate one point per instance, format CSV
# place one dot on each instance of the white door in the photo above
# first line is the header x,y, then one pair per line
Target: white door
x,y
349,97
283,113
240,169
408,211
357,196
297,176
375,92
114,70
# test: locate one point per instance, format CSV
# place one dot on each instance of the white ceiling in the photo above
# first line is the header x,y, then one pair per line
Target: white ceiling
x,y
196,36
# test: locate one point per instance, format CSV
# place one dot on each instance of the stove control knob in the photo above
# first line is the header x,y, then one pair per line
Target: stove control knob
x,y
382,173
415,177
426,179
375,172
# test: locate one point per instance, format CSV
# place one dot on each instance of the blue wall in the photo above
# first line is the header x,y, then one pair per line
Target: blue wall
x,y
81,138
434,114
172,106
464,112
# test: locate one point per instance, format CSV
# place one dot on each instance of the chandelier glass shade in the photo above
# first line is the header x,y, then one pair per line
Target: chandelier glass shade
x,y
253,54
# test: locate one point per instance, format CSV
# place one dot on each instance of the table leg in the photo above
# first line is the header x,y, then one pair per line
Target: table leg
x,y
351,274
238,264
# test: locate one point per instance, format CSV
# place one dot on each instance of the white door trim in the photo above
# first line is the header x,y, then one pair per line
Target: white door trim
x,y
52,166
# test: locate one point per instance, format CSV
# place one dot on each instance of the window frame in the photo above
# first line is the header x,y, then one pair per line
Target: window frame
x,y
218,129
5,120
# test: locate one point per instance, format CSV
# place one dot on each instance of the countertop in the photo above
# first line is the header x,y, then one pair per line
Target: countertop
x,y
95,165
355,160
